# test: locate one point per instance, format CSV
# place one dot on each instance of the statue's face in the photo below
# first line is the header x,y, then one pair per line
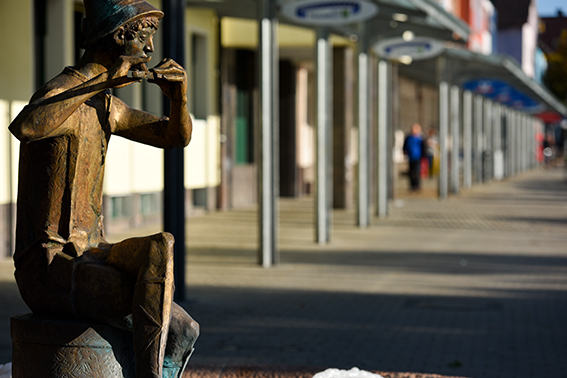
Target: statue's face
x,y
141,44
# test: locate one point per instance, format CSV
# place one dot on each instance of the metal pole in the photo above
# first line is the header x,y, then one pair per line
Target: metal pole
x,y
488,150
513,142
525,152
509,142
518,135
363,132
523,141
268,136
529,138
505,142
467,139
174,182
455,139
324,122
533,146
383,119
478,139
443,130
498,168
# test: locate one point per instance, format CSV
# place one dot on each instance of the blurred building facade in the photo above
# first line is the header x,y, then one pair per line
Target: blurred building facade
x,y
222,161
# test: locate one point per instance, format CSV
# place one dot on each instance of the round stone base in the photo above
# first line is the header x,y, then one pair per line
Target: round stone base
x,y
68,348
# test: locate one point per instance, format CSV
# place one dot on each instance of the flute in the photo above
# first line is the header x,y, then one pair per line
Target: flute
x,y
152,75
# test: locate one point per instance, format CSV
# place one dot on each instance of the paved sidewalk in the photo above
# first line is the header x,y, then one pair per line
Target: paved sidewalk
x,y
474,286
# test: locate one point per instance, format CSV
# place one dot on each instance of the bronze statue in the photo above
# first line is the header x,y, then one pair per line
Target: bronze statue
x,y
64,265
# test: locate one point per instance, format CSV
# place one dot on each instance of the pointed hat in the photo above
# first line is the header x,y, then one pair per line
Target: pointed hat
x,y
105,16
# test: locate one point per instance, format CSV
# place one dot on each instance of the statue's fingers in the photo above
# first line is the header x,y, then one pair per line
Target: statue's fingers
x,y
176,70
173,77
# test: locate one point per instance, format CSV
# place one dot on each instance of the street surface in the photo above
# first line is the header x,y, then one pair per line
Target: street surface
x,y
473,286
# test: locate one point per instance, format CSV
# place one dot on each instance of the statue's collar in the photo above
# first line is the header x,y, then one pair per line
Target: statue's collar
x,y
73,72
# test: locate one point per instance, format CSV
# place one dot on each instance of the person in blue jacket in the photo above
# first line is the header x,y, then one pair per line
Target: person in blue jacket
x,y
415,150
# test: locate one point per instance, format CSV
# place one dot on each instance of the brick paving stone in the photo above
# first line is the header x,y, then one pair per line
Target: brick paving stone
x,y
472,286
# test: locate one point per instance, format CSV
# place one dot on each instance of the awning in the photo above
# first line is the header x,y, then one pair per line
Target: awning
x,y
394,17
464,67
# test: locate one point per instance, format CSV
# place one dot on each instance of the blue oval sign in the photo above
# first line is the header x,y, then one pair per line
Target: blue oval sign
x,y
329,12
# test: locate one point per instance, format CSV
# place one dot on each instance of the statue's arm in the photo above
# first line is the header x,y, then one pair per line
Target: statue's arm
x,y
48,111
146,128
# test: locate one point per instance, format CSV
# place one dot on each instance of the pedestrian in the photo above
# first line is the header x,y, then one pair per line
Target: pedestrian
x,y
414,149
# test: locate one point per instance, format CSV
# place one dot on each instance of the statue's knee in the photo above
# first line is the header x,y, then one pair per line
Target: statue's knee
x,y
161,251
193,330
164,240
181,338
183,329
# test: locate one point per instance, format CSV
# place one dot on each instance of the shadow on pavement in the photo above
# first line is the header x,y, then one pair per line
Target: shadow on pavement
x,y
503,336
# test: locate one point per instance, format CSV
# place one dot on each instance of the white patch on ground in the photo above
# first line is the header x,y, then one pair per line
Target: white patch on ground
x,y
6,370
352,373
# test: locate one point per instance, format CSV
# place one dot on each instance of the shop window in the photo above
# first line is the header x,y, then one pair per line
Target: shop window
x,y
199,76
245,71
120,207
200,197
150,204
242,127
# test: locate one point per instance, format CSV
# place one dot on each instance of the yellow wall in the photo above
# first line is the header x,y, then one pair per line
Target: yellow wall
x,y
5,155
241,33
16,39
16,84
205,22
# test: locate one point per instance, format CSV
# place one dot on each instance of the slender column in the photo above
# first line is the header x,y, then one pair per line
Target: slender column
x,y
383,123
488,151
443,131
522,141
268,174
478,139
510,141
533,135
363,216
324,139
529,138
518,142
498,166
526,143
174,168
455,139
467,139
513,142
540,129
506,139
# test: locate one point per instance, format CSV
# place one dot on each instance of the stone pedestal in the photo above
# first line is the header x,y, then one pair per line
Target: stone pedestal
x,y
64,348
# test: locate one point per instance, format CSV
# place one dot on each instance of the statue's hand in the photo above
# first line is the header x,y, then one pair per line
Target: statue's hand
x,y
171,78
118,73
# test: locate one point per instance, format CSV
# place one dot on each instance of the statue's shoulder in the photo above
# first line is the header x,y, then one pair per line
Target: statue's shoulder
x,y
67,79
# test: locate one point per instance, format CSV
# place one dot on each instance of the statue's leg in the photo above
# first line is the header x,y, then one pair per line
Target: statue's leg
x,y
183,332
150,260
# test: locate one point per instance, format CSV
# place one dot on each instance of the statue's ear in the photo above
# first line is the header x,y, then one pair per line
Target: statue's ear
x,y
119,36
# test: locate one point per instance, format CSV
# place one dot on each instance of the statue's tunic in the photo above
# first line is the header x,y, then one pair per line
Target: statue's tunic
x,y
60,197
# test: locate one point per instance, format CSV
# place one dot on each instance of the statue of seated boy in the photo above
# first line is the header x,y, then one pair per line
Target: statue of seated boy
x,y
64,265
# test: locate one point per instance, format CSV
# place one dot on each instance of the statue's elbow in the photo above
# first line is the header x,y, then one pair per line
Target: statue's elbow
x,y
186,140
23,134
